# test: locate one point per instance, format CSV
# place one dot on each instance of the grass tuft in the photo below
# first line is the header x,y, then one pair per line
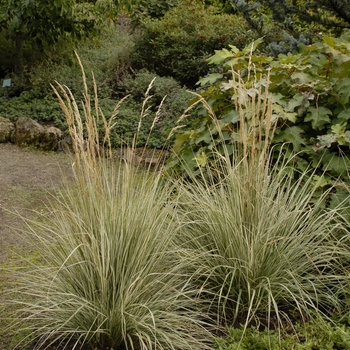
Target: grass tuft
x,y
109,274
263,249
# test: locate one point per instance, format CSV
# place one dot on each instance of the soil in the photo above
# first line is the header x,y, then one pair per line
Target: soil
x,y
27,176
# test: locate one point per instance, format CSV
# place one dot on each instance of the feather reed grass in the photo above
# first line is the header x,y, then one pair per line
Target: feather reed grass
x,y
109,274
263,250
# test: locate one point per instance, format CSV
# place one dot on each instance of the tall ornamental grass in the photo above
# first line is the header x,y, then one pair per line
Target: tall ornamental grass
x,y
109,274
261,247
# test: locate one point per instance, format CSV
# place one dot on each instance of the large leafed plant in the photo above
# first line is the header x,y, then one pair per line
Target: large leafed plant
x,y
310,91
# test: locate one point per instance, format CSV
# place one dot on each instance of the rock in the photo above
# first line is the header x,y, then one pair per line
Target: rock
x,y
6,129
66,145
27,132
51,138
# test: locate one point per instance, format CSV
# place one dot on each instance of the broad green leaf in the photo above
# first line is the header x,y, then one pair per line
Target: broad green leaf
x,y
302,77
234,61
233,48
340,196
278,98
232,117
261,59
187,158
220,56
339,129
296,101
201,159
292,135
319,181
343,89
210,79
289,58
318,117
329,40
324,141
179,141
204,137
338,165
344,114
252,46
279,110
228,85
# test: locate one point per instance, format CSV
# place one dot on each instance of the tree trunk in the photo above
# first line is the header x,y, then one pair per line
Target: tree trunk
x,y
18,60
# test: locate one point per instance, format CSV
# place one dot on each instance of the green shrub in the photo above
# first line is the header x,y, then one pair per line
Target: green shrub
x,y
45,110
172,107
310,94
151,9
31,94
178,44
107,274
317,335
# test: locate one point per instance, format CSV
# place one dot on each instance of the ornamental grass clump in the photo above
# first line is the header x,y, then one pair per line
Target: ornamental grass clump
x,y
109,274
262,248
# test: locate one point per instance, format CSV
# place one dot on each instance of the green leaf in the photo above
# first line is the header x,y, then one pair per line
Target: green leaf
x,y
336,164
210,79
343,89
339,129
339,197
252,46
292,135
220,56
278,98
204,137
324,141
344,114
302,77
231,117
318,117
201,159
319,181
296,101
233,48
279,110
179,141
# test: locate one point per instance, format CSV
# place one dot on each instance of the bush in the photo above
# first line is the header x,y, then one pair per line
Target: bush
x,y
151,9
31,94
44,110
311,101
261,253
172,107
178,44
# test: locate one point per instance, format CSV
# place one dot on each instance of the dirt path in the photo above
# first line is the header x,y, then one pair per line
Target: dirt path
x,y
25,177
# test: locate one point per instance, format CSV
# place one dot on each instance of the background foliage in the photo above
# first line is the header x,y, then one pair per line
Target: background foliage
x,y
178,44
285,24
311,97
